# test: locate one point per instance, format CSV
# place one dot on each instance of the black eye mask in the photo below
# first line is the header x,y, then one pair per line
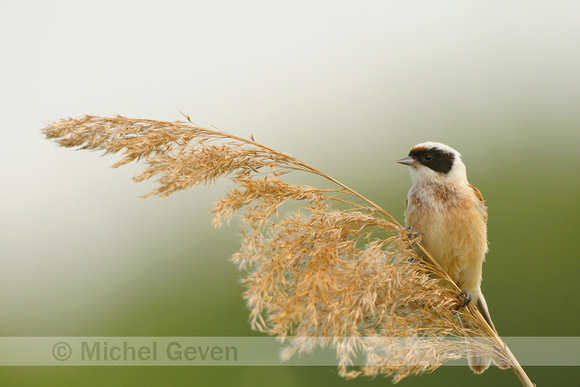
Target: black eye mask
x,y
437,159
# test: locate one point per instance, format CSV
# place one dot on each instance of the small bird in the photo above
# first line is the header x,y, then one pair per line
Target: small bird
x,y
451,217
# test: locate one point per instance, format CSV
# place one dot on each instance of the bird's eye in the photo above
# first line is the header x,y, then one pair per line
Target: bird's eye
x,y
428,157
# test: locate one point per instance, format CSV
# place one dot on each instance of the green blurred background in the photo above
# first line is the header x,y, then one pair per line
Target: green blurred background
x,y
346,87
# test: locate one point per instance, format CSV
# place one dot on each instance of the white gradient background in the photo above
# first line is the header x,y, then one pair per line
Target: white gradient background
x,y
346,86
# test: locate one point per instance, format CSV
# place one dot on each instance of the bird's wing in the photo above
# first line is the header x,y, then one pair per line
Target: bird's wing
x,y
479,196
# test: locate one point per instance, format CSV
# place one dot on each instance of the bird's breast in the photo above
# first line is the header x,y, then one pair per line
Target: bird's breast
x,y
451,225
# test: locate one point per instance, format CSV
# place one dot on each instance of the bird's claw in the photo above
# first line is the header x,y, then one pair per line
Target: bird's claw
x,y
464,299
411,234
413,237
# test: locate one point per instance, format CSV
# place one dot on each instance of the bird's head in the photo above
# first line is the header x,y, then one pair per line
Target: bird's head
x,y
435,162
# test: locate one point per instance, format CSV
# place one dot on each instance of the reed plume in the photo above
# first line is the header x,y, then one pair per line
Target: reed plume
x,y
338,272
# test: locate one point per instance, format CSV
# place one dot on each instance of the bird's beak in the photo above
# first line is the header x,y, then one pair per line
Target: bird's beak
x,y
407,161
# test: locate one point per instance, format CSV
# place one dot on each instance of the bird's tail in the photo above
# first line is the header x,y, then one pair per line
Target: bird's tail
x,y
482,307
479,363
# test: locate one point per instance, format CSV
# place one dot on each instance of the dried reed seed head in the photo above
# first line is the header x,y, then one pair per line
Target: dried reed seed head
x,y
347,275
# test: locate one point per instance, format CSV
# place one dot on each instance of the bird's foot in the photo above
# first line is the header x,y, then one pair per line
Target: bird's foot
x,y
413,237
464,299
